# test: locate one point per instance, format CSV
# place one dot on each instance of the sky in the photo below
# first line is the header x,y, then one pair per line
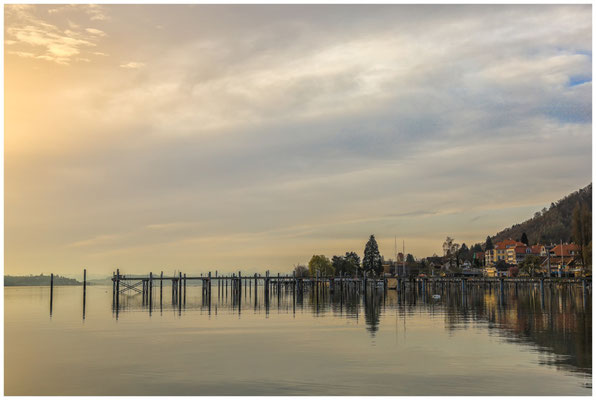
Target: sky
x,y
204,137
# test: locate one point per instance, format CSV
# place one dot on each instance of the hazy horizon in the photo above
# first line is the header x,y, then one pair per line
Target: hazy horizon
x,y
204,137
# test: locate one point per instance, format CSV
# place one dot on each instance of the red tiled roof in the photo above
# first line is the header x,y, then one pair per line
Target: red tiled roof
x,y
565,250
521,249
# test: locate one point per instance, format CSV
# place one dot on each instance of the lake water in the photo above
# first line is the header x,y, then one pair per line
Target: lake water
x,y
476,343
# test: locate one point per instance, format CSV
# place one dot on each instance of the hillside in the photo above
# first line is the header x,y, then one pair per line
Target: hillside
x,y
40,280
549,225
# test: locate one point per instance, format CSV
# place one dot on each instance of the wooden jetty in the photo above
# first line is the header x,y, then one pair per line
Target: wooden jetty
x,y
318,286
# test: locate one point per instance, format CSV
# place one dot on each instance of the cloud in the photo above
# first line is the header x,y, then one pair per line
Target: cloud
x,y
132,65
47,41
95,32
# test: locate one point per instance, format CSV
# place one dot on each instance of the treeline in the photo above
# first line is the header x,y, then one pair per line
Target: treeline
x,y
347,265
551,225
39,280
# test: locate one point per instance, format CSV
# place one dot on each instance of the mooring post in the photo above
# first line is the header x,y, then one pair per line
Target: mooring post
x,y
267,287
160,286
179,289
51,292
209,290
84,290
117,290
256,289
150,290
113,288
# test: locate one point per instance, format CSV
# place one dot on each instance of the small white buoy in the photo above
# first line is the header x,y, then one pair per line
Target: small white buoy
x,y
436,296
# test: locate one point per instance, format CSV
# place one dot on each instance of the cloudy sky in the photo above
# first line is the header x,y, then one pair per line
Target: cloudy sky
x,y
252,137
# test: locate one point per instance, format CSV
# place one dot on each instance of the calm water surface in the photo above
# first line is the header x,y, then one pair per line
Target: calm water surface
x,y
477,343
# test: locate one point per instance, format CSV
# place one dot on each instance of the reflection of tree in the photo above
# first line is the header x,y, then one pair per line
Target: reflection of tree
x,y
372,310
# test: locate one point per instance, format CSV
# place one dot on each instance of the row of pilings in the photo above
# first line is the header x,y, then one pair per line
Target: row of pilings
x,y
318,286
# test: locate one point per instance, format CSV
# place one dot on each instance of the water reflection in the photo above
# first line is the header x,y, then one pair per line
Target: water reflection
x,y
555,321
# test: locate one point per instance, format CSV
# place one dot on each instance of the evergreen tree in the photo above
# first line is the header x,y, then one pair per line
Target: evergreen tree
x,y
524,239
488,245
354,260
372,258
476,248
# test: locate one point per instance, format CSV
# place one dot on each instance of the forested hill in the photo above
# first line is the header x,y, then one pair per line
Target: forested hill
x,y
40,280
549,225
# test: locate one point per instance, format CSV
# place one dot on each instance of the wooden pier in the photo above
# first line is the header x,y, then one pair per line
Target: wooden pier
x,y
319,287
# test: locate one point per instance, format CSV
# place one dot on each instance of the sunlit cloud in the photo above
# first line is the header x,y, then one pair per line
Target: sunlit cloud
x,y
47,41
132,65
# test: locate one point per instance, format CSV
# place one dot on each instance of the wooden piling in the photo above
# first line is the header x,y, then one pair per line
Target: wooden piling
x,y
84,291
117,289
51,293
150,290
179,289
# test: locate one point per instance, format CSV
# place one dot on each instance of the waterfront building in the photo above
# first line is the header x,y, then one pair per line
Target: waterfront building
x,y
506,251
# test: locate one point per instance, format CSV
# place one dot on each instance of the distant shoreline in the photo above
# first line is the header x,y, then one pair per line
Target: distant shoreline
x,y
39,280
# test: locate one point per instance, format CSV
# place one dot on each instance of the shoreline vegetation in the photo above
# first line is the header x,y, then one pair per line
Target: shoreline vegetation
x,y
39,280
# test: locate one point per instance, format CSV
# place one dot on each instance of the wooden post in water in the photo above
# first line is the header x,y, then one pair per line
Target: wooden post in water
x,y
84,290
117,290
113,288
51,292
256,289
150,290
160,287
179,289
185,289
239,285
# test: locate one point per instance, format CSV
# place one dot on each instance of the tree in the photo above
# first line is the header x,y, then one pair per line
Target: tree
x,y
476,248
488,245
524,239
581,228
354,259
464,253
301,271
451,251
531,264
346,265
372,258
410,259
322,264
513,271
